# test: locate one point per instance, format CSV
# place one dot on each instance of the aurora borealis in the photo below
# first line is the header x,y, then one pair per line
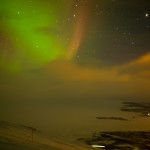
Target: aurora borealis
x,y
27,24
72,59
35,33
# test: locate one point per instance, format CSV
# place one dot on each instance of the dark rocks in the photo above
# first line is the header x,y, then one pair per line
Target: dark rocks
x,y
121,140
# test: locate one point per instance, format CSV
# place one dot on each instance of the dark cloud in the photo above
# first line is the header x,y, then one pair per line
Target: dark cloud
x,y
46,31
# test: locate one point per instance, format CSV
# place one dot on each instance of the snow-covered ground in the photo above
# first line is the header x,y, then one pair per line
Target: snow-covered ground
x,y
21,137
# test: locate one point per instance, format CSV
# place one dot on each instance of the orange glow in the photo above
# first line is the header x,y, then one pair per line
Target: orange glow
x,y
79,30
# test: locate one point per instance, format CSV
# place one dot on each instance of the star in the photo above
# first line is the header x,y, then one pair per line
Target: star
x,y
68,19
146,15
132,43
78,56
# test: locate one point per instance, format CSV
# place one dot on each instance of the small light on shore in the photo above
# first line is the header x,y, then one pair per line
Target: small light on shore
x,y
101,146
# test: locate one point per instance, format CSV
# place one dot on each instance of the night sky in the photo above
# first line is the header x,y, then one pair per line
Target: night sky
x,y
37,32
69,51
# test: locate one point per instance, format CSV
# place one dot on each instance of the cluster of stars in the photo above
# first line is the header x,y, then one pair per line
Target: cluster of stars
x,y
120,27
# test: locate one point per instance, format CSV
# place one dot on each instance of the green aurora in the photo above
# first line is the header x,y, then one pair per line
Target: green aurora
x,y
31,33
